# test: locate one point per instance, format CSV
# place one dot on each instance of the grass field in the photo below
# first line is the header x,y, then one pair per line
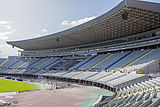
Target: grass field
x,y
12,86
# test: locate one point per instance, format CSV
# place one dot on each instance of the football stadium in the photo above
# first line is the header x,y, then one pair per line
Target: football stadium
x,y
117,53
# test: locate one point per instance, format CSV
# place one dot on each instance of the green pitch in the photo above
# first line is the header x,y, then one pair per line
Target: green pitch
x,y
12,86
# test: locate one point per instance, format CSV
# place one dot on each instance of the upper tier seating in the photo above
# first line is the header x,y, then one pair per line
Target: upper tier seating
x,y
110,60
134,55
107,62
38,63
2,60
117,61
9,63
94,61
83,62
20,63
47,64
145,60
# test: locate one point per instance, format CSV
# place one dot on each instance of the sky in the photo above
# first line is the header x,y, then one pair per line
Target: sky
x,y
25,19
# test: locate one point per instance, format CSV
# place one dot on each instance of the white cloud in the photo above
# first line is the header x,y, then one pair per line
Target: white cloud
x,y
77,22
65,22
7,50
5,22
4,35
6,30
44,30
7,27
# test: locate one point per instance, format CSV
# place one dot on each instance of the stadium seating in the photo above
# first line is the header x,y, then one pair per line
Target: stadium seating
x,y
59,67
59,73
9,63
117,61
30,71
136,95
20,63
50,72
131,76
112,77
31,62
99,76
80,64
118,51
84,75
41,61
94,61
148,58
47,63
42,71
133,56
71,74
132,89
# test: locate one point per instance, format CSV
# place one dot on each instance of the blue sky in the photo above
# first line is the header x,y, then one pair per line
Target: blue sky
x,y
23,19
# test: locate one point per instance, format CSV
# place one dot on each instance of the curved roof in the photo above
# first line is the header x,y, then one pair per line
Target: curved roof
x,y
142,17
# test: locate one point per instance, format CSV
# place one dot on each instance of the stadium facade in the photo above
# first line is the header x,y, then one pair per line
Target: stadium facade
x,y
118,51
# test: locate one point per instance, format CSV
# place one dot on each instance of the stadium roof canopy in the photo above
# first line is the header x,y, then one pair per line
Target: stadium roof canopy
x,y
138,17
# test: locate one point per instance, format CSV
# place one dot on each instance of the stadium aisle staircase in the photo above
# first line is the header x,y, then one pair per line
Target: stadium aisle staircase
x,y
14,63
86,61
100,62
43,63
4,62
117,61
34,62
24,64
104,77
52,62
138,59
77,74
92,75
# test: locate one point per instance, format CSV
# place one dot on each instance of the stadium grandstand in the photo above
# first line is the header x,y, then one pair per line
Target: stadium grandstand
x,y
118,51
